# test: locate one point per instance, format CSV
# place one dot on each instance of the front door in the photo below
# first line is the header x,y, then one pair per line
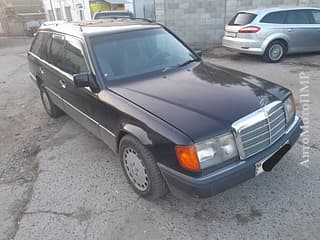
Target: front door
x,y
300,31
316,21
77,100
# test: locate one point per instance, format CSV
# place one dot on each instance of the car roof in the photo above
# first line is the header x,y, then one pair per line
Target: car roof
x,y
259,11
101,26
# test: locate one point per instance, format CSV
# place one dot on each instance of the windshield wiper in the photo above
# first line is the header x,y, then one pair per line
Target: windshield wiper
x,y
180,65
188,62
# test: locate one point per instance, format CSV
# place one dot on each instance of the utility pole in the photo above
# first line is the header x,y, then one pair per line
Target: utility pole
x,y
53,13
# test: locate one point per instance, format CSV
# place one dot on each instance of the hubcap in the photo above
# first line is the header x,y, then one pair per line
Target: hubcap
x,y
135,169
276,52
46,101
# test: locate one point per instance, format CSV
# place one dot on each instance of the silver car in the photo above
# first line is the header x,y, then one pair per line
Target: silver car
x,y
273,33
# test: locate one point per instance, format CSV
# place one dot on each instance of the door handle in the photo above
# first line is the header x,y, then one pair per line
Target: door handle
x,y
63,83
41,71
290,30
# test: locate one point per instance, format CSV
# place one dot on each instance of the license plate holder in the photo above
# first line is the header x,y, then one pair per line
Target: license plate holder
x,y
231,34
268,163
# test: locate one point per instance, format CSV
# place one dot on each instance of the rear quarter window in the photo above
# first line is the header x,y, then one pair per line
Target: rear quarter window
x,y
274,17
57,48
242,18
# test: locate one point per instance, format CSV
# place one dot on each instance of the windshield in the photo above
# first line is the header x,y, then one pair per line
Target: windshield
x,y
134,53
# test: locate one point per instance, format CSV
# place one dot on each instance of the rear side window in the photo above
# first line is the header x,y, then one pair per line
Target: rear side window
x,y
74,61
274,17
45,47
56,52
298,17
36,45
242,18
316,16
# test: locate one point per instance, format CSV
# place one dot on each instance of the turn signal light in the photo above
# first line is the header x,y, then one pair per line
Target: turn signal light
x,y
188,158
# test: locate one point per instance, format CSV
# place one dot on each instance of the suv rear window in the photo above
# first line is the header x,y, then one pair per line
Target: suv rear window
x,y
274,17
242,18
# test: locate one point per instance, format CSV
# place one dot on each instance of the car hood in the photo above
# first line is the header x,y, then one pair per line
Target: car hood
x,y
203,100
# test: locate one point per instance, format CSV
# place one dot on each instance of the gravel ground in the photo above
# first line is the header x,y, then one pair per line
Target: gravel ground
x,y
57,181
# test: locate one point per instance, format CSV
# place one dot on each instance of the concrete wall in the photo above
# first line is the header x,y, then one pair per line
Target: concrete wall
x,y
201,23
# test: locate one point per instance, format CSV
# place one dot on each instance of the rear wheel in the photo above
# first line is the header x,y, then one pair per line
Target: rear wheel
x,y
275,52
141,169
53,110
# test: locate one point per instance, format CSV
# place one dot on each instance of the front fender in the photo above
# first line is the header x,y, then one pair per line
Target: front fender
x,y
136,131
269,39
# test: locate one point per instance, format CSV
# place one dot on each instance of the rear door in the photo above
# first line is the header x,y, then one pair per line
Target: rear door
x,y
300,30
48,70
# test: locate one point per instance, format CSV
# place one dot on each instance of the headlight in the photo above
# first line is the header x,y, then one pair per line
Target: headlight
x,y
290,108
216,150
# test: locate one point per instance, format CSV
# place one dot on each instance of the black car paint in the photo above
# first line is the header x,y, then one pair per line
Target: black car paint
x,y
179,107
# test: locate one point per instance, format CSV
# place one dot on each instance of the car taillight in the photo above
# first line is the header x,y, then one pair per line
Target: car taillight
x,y
249,29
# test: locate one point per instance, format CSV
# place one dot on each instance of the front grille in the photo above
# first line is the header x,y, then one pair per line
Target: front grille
x,y
260,129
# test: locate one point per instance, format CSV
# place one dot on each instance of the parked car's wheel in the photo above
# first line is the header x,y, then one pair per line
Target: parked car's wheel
x,y
53,110
275,51
141,168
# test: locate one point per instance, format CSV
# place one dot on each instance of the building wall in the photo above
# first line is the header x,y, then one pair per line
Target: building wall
x,y
201,23
78,9
17,15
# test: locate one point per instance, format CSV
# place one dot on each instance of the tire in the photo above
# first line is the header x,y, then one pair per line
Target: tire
x,y
53,110
275,51
134,159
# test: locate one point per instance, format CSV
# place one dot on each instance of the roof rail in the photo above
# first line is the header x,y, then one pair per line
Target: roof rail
x,y
56,23
124,17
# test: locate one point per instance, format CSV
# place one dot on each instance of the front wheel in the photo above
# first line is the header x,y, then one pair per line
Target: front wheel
x,y
275,52
141,169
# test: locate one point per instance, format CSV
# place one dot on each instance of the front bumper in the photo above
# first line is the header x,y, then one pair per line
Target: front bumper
x,y
250,46
230,175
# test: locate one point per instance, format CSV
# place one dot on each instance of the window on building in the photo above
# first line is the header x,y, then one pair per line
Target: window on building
x,y
68,13
274,17
58,13
74,61
50,15
81,12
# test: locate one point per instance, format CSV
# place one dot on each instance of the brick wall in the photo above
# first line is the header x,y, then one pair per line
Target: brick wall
x,y
201,22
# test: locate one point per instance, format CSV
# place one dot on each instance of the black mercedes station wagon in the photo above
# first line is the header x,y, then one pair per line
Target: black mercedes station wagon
x,y
177,122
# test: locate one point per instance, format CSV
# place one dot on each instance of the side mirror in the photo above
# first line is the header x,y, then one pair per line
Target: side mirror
x,y
81,80
198,52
